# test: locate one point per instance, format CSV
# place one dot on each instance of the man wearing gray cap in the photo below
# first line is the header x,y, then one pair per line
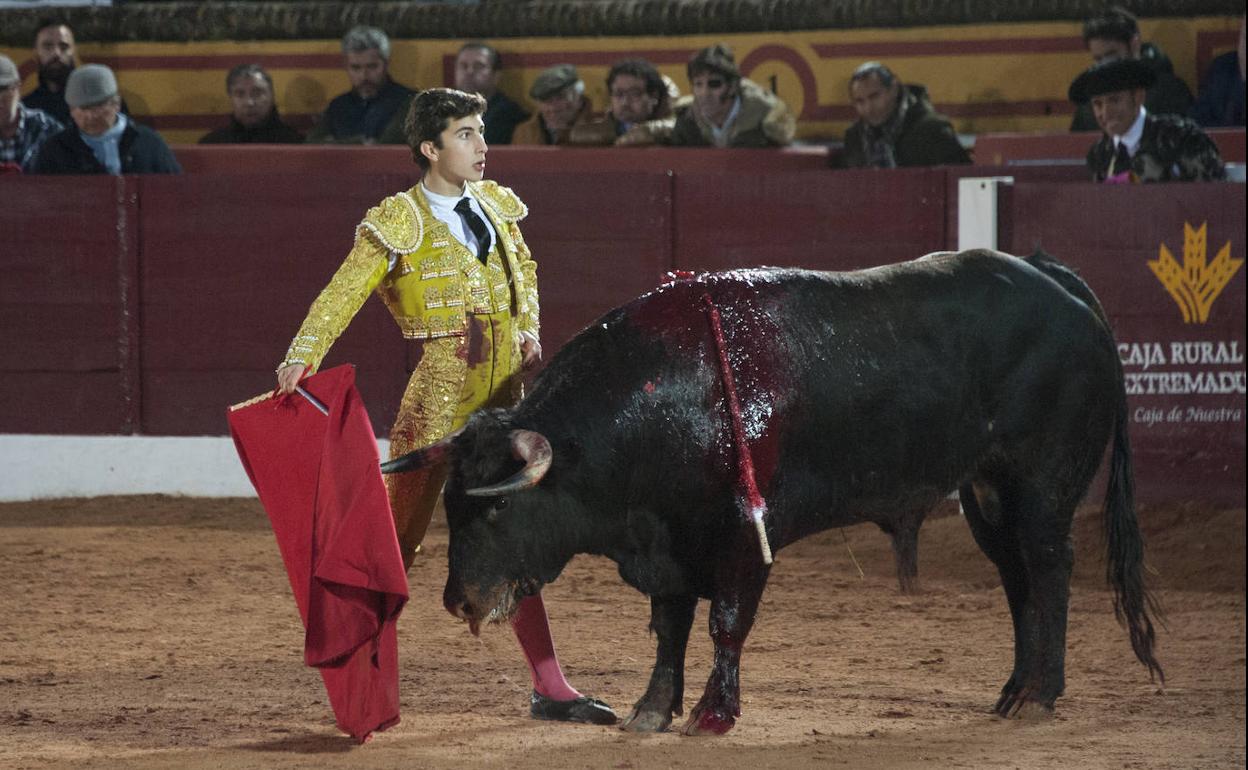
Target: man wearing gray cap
x,y
1136,145
560,96
22,129
102,139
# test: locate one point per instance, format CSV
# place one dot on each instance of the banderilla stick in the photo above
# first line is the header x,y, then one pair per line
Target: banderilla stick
x,y
745,462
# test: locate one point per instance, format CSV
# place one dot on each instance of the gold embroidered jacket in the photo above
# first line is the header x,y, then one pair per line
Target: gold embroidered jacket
x,y
435,280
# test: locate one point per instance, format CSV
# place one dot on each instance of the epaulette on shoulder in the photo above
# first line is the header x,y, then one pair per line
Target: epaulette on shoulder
x,y
504,202
395,223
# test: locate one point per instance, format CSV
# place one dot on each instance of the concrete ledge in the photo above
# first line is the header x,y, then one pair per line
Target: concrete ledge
x,y
36,466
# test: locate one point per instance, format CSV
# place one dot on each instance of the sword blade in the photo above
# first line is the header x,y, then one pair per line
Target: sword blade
x,y
313,400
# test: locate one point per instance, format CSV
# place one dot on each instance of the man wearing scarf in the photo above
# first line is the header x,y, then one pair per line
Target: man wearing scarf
x,y
897,125
101,139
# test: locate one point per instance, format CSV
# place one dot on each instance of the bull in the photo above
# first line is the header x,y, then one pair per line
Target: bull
x,y
864,396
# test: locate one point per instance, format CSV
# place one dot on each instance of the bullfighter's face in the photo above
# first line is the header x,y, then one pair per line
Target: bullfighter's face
x,y
1117,110
457,157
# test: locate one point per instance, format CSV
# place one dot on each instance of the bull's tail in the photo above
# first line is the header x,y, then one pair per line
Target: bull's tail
x,y
1069,280
1134,604
1124,569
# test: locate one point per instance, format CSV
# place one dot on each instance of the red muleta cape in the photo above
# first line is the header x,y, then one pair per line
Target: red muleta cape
x,y
319,480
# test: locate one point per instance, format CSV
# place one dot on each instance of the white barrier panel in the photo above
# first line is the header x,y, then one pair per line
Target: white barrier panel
x,y
978,227
33,467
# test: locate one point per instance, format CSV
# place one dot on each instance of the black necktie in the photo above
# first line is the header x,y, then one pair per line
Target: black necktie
x,y
478,227
1122,159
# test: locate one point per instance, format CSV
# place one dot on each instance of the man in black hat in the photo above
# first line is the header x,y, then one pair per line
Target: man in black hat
x,y
1115,34
729,110
1137,145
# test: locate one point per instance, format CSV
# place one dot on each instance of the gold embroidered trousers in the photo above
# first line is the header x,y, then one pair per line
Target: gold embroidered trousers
x,y
456,376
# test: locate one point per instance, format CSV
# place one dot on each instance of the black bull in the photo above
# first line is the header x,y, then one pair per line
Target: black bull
x,y
864,396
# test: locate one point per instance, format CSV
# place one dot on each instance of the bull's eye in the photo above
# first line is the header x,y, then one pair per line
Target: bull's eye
x,y
499,505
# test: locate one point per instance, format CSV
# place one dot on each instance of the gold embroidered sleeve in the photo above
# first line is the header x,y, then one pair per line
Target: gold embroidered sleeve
x,y
337,304
529,319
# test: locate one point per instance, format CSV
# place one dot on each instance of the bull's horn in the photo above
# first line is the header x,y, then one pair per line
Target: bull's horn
x,y
434,454
534,449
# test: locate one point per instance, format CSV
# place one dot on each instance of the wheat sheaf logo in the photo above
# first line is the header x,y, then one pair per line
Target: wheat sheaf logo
x,y
1196,283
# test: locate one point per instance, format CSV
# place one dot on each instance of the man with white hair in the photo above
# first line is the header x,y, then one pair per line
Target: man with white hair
x,y
372,111
22,129
102,140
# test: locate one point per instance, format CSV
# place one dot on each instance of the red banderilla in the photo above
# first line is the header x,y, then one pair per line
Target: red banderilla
x,y
745,462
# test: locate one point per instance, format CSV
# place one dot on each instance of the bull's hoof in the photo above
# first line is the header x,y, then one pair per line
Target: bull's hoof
x,y
1021,704
646,721
708,722
590,711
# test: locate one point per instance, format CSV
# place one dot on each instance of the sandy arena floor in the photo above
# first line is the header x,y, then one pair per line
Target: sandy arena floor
x,y
155,632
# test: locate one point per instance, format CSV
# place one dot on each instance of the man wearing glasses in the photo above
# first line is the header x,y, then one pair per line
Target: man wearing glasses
x,y
729,110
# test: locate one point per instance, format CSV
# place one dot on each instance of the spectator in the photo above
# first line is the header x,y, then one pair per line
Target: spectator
x,y
729,110
1136,145
372,112
560,95
1221,100
101,139
22,129
897,125
57,57
254,119
638,95
1116,34
476,70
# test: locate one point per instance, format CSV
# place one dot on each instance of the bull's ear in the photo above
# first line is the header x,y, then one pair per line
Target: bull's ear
x,y
434,454
534,449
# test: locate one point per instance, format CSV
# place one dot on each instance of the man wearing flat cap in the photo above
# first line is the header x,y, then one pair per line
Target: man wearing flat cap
x,y
1137,146
560,96
729,110
102,140
22,129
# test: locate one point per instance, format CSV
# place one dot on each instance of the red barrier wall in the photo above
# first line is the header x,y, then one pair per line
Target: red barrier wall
x,y
1011,149
150,304
1188,444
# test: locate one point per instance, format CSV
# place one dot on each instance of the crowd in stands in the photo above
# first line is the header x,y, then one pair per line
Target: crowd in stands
x,y
74,121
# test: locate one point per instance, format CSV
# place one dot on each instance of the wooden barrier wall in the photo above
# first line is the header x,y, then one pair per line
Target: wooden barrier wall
x,y
148,304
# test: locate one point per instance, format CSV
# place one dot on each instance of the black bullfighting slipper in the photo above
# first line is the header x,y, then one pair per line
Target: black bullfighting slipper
x,y
590,711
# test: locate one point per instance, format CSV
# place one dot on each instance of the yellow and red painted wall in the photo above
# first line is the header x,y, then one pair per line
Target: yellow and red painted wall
x,y
987,77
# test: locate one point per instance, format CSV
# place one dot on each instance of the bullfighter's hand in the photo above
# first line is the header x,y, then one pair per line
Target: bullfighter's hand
x,y
288,377
531,349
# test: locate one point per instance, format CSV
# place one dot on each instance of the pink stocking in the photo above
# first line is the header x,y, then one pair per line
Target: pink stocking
x,y
533,632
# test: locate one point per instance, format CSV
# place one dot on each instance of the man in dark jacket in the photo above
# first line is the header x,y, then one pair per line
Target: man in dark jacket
x,y
57,57
1116,34
477,69
1137,146
101,139
897,124
372,112
254,119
